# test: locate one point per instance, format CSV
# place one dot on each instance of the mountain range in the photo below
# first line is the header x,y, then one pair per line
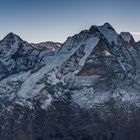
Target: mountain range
x,y
84,89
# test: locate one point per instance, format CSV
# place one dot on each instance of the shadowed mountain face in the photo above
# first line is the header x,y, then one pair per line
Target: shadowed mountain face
x,y
85,89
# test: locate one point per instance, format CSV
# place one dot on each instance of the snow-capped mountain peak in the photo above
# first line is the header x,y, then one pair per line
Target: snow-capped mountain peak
x,y
108,26
109,33
92,69
50,46
11,38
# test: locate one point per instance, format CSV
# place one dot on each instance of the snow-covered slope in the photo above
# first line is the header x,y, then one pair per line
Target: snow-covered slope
x,y
94,69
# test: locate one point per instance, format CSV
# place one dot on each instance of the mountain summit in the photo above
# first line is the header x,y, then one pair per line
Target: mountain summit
x,y
82,89
11,36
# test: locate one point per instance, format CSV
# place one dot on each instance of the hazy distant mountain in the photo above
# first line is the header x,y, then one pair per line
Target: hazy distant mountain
x,y
85,89
50,46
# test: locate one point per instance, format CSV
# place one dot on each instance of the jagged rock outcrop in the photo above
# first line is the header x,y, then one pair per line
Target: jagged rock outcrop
x,y
128,38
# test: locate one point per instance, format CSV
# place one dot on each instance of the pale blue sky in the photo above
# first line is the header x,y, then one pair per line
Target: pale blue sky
x,y
55,20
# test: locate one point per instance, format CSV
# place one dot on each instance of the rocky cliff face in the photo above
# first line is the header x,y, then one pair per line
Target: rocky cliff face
x,y
86,90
